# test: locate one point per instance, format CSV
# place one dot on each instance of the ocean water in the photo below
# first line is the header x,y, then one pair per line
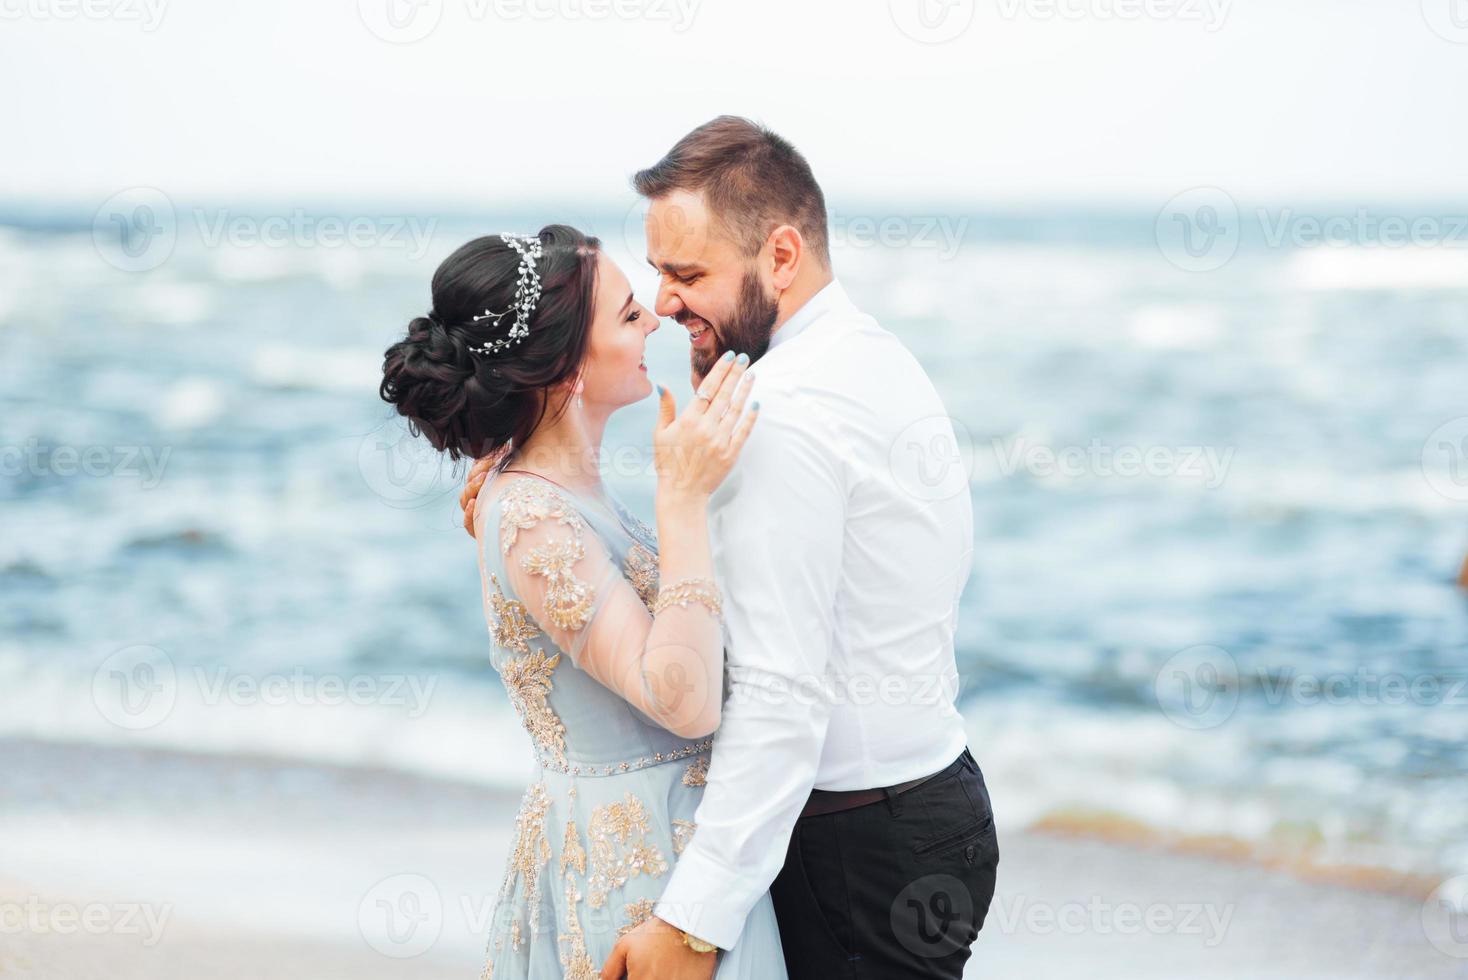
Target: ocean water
x,y
1219,513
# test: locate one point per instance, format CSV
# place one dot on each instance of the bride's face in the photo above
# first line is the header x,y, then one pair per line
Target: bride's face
x,y
615,374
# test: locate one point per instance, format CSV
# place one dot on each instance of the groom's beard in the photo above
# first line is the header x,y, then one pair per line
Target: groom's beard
x,y
748,329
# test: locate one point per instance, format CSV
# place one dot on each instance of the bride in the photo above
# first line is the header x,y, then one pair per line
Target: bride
x,y
609,646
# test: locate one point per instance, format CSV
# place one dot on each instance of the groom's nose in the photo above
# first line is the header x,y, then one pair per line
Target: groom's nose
x,y
669,303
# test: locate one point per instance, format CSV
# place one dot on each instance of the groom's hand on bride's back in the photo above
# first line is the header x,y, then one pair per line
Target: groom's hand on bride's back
x,y
468,500
655,950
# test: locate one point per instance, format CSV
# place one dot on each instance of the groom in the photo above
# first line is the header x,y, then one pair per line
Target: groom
x,y
840,779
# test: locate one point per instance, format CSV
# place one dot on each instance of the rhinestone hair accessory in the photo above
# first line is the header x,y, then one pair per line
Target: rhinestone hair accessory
x,y
527,294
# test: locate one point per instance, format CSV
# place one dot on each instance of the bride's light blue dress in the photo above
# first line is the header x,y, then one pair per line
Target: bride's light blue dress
x,y
598,832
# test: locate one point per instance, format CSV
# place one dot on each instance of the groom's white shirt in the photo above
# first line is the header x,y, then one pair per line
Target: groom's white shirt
x,y
841,547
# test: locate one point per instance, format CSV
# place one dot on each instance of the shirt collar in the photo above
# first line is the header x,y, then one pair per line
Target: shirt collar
x,y
830,296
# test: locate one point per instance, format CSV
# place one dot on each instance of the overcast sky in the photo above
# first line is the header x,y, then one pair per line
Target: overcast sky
x,y
1050,100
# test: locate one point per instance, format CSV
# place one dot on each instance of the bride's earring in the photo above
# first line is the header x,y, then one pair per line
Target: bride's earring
x,y
580,387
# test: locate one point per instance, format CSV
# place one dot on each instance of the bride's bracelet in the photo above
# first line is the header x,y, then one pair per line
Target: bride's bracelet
x,y
688,590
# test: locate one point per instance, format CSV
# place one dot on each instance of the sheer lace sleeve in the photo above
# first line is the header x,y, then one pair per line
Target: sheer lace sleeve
x,y
668,665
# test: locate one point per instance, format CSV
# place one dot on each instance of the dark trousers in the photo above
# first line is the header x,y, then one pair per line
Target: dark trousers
x,y
893,889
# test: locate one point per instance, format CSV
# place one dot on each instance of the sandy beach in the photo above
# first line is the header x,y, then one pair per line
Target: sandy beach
x,y
146,864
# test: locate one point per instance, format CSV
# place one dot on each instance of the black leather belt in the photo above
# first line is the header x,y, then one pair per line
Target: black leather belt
x,y
823,801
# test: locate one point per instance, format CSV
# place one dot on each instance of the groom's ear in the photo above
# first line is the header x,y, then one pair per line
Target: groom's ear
x,y
787,252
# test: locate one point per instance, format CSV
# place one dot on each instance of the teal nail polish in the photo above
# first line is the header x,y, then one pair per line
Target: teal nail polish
x,y
742,359
754,406
662,391
728,356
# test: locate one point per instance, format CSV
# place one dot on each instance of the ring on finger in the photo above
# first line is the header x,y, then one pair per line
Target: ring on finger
x,y
707,398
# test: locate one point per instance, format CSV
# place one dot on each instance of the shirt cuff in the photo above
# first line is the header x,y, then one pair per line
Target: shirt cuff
x,y
706,900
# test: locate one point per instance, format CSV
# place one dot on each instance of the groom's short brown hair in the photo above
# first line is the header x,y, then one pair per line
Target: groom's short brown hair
x,y
753,180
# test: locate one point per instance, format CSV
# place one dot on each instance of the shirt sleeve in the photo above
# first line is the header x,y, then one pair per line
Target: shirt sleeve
x,y
669,666
778,541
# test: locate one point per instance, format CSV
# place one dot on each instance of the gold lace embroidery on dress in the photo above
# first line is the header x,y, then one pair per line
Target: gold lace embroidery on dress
x,y
625,823
526,503
636,913
572,853
641,569
697,774
531,853
513,627
682,834
646,531
528,681
635,524
568,600
575,961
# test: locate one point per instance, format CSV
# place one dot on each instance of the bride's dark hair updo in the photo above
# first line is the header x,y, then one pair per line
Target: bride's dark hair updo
x,y
469,404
